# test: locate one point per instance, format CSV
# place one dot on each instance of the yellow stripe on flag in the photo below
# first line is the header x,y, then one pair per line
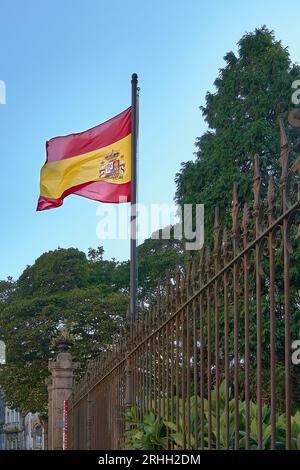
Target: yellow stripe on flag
x,y
61,175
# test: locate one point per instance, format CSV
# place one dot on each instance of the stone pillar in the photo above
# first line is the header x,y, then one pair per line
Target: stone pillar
x,y
50,411
59,389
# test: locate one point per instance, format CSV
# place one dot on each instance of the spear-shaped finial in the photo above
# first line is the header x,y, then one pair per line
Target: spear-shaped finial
x,y
271,198
207,263
283,137
225,245
285,151
177,286
216,229
234,211
256,185
216,238
245,224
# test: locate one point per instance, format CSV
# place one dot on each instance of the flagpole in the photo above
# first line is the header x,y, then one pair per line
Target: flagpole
x,y
133,224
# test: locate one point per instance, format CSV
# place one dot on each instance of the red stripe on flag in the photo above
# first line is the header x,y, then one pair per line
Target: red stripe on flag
x,y
97,137
100,191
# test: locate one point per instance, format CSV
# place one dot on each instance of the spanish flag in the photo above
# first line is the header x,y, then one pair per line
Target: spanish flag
x,y
95,164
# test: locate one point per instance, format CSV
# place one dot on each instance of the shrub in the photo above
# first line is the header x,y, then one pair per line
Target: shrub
x,y
147,434
153,433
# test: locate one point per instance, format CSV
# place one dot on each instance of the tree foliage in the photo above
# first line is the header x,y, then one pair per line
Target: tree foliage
x,y
242,121
62,288
157,261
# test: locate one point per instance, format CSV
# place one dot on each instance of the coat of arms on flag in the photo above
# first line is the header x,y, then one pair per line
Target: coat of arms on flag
x,y
112,166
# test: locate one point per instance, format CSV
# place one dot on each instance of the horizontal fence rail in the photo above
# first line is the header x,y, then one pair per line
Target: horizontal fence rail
x,y
212,359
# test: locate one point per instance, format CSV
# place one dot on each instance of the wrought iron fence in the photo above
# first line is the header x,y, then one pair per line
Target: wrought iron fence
x,y
213,355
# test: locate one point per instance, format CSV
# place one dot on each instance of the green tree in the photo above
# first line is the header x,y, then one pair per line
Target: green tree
x,y
65,287
59,289
241,119
157,260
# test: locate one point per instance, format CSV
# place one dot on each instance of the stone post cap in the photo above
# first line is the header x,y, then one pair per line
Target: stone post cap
x,y
63,361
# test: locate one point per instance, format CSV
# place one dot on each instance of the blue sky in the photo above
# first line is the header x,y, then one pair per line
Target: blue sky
x,y
67,66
